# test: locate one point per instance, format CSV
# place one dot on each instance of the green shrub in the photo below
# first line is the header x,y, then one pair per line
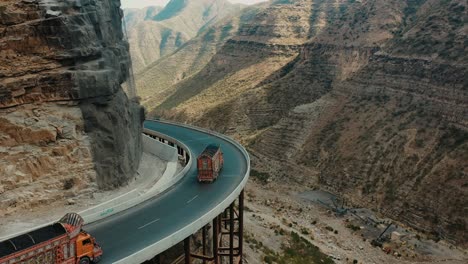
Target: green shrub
x,y
301,251
262,177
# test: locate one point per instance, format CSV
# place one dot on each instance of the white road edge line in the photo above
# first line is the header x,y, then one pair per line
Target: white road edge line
x,y
198,139
191,200
152,222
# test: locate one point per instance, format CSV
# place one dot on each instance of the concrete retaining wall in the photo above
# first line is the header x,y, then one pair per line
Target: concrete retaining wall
x,y
169,178
157,148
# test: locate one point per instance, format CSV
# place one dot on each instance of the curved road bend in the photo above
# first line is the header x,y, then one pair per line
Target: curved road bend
x,y
128,232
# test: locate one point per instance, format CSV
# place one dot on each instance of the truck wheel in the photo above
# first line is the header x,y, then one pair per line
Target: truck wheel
x,y
85,260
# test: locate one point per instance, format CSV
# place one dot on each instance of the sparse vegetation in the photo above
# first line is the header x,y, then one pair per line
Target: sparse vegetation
x,y
299,251
262,177
419,143
353,227
68,184
390,192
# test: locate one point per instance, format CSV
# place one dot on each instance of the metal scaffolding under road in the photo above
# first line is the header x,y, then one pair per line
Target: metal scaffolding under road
x,y
227,238
221,241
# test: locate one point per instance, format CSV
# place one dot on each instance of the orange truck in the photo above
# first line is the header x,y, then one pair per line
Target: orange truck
x,y
63,242
209,163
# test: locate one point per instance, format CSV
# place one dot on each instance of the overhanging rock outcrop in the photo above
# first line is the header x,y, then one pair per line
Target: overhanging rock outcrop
x,y
64,116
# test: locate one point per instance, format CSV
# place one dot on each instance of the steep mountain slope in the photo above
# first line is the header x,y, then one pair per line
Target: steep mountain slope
x,y
155,82
365,98
133,16
160,33
246,59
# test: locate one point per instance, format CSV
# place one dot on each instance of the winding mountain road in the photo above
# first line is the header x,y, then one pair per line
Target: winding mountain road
x,y
142,232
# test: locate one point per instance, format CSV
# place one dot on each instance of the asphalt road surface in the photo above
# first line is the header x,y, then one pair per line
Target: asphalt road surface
x,y
126,233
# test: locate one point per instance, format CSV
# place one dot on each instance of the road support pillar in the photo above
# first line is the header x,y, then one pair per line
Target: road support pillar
x,y
241,226
216,228
204,243
231,234
225,228
188,259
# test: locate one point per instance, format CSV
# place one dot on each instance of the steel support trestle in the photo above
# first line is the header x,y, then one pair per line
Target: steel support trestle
x,y
226,238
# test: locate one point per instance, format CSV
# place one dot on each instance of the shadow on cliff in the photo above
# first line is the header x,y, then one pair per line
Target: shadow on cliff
x,y
113,122
114,126
226,62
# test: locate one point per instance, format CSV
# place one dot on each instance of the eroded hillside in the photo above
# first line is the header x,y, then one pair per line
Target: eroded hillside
x,y
365,98
154,33
155,82
66,126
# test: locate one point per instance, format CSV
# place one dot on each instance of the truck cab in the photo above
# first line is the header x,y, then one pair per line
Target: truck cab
x,y
87,249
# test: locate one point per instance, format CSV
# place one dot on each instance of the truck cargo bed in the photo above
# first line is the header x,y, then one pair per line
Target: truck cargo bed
x,y
33,238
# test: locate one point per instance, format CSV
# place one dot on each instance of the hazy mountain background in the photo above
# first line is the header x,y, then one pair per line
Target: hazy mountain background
x,y
155,82
154,32
142,3
146,3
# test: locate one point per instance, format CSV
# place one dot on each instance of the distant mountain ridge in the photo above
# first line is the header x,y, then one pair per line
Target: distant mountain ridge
x,y
154,32
133,16
172,9
156,80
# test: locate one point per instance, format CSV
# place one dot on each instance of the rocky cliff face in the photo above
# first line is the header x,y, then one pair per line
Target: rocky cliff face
x,y
66,127
364,98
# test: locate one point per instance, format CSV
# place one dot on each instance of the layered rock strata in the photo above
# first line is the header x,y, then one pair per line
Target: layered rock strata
x,y
366,99
67,127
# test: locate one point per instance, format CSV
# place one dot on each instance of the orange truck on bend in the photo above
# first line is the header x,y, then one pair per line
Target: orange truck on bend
x,y
63,242
209,163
